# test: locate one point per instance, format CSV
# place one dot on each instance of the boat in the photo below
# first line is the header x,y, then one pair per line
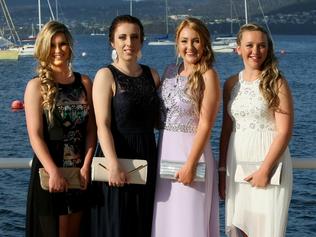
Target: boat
x,y
226,43
164,40
9,54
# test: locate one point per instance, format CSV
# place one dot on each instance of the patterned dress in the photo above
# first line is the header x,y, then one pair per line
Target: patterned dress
x,y
127,211
258,212
66,143
186,211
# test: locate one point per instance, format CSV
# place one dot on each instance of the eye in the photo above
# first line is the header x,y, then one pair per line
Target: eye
x,y
122,37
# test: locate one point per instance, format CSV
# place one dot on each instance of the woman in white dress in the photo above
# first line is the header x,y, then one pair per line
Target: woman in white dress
x,y
257,126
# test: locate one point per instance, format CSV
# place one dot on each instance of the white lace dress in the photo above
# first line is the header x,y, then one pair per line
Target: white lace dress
x,y
258,212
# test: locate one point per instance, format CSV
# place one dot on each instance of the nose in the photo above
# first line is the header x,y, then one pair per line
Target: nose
x,y
128,40
256,49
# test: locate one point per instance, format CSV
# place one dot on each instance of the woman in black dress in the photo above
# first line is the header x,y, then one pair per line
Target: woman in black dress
x,y
61,127
126,105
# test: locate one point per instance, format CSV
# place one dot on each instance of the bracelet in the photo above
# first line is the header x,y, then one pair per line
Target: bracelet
x,y
222,169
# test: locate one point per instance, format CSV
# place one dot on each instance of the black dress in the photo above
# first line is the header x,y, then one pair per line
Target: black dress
x,y
66,143
127,211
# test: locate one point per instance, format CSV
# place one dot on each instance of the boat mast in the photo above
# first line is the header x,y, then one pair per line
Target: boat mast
x,y
166,13
39,16
131,7
9,21
246,12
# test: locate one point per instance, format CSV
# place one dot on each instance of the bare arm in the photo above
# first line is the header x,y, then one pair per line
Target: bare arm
x,y
227,126
284,124
102,92
91,138
209,109
34,122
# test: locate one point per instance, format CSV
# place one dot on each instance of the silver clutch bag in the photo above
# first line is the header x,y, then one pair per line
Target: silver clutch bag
x,y
244,169
168,170
136,170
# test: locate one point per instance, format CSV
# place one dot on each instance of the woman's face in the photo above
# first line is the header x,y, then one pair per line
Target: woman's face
x,y
127,41
189,46
253,48
59,50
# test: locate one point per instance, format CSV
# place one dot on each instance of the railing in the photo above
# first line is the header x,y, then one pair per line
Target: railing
x,y
25,163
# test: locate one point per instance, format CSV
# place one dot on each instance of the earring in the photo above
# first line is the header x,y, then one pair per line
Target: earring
x,y
114,55
139,55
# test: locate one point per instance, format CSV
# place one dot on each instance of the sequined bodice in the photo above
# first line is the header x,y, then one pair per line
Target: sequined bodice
x,y
248,108
176,109
67,135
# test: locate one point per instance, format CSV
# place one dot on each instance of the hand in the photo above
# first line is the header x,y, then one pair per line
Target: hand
x,y
117,176
258,179
222,185
57,183
186,174
84,177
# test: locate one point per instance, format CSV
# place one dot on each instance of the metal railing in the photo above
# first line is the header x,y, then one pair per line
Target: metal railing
x,y
25,163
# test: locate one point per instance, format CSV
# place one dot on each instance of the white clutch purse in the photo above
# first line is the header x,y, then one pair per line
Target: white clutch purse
x,y
136,170
244,169
168,170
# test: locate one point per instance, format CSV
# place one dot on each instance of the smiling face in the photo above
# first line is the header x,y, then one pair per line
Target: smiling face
x,y
59,51
253,48
189,46
127,41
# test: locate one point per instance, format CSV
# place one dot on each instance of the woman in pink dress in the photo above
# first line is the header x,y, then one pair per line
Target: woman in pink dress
x,y
190,97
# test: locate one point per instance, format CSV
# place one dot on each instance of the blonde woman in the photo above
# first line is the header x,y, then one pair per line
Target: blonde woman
x,y
190,97
257,126
61,128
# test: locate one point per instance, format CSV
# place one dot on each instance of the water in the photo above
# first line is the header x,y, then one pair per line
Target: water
x,y
298,65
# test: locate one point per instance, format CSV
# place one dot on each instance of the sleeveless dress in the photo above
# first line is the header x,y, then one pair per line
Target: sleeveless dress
x,y
259,212
186,211
128,210
66,143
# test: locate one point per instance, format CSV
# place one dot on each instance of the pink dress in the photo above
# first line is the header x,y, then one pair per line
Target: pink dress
x,y
186,211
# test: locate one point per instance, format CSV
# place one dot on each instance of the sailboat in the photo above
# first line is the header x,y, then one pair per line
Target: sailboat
x,y
226,44
28,49
7,49
164,40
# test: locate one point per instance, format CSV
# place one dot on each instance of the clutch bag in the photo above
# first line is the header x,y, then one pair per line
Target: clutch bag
x,y
244,169
136,170
168,170
72,175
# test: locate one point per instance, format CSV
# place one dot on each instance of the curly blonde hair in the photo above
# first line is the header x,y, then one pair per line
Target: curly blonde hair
x,y
49,88
195,85
271,75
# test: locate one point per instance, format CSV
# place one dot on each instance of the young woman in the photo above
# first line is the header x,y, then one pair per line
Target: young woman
x,y
126,105
190,97
60,123
257,126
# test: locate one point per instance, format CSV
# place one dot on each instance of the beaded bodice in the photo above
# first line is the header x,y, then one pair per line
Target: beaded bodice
x,y
176,109
248,109
67,135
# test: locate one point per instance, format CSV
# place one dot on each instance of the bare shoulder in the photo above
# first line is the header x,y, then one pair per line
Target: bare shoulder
x,y
104,73
230,82
86,80
210,74
34,85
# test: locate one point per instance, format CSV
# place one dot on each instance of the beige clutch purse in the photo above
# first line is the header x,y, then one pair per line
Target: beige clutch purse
x,y
72,175
136,170
244,169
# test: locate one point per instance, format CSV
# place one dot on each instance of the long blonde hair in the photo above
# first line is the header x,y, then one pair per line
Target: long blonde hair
x,y
195,85
270,74
49,88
